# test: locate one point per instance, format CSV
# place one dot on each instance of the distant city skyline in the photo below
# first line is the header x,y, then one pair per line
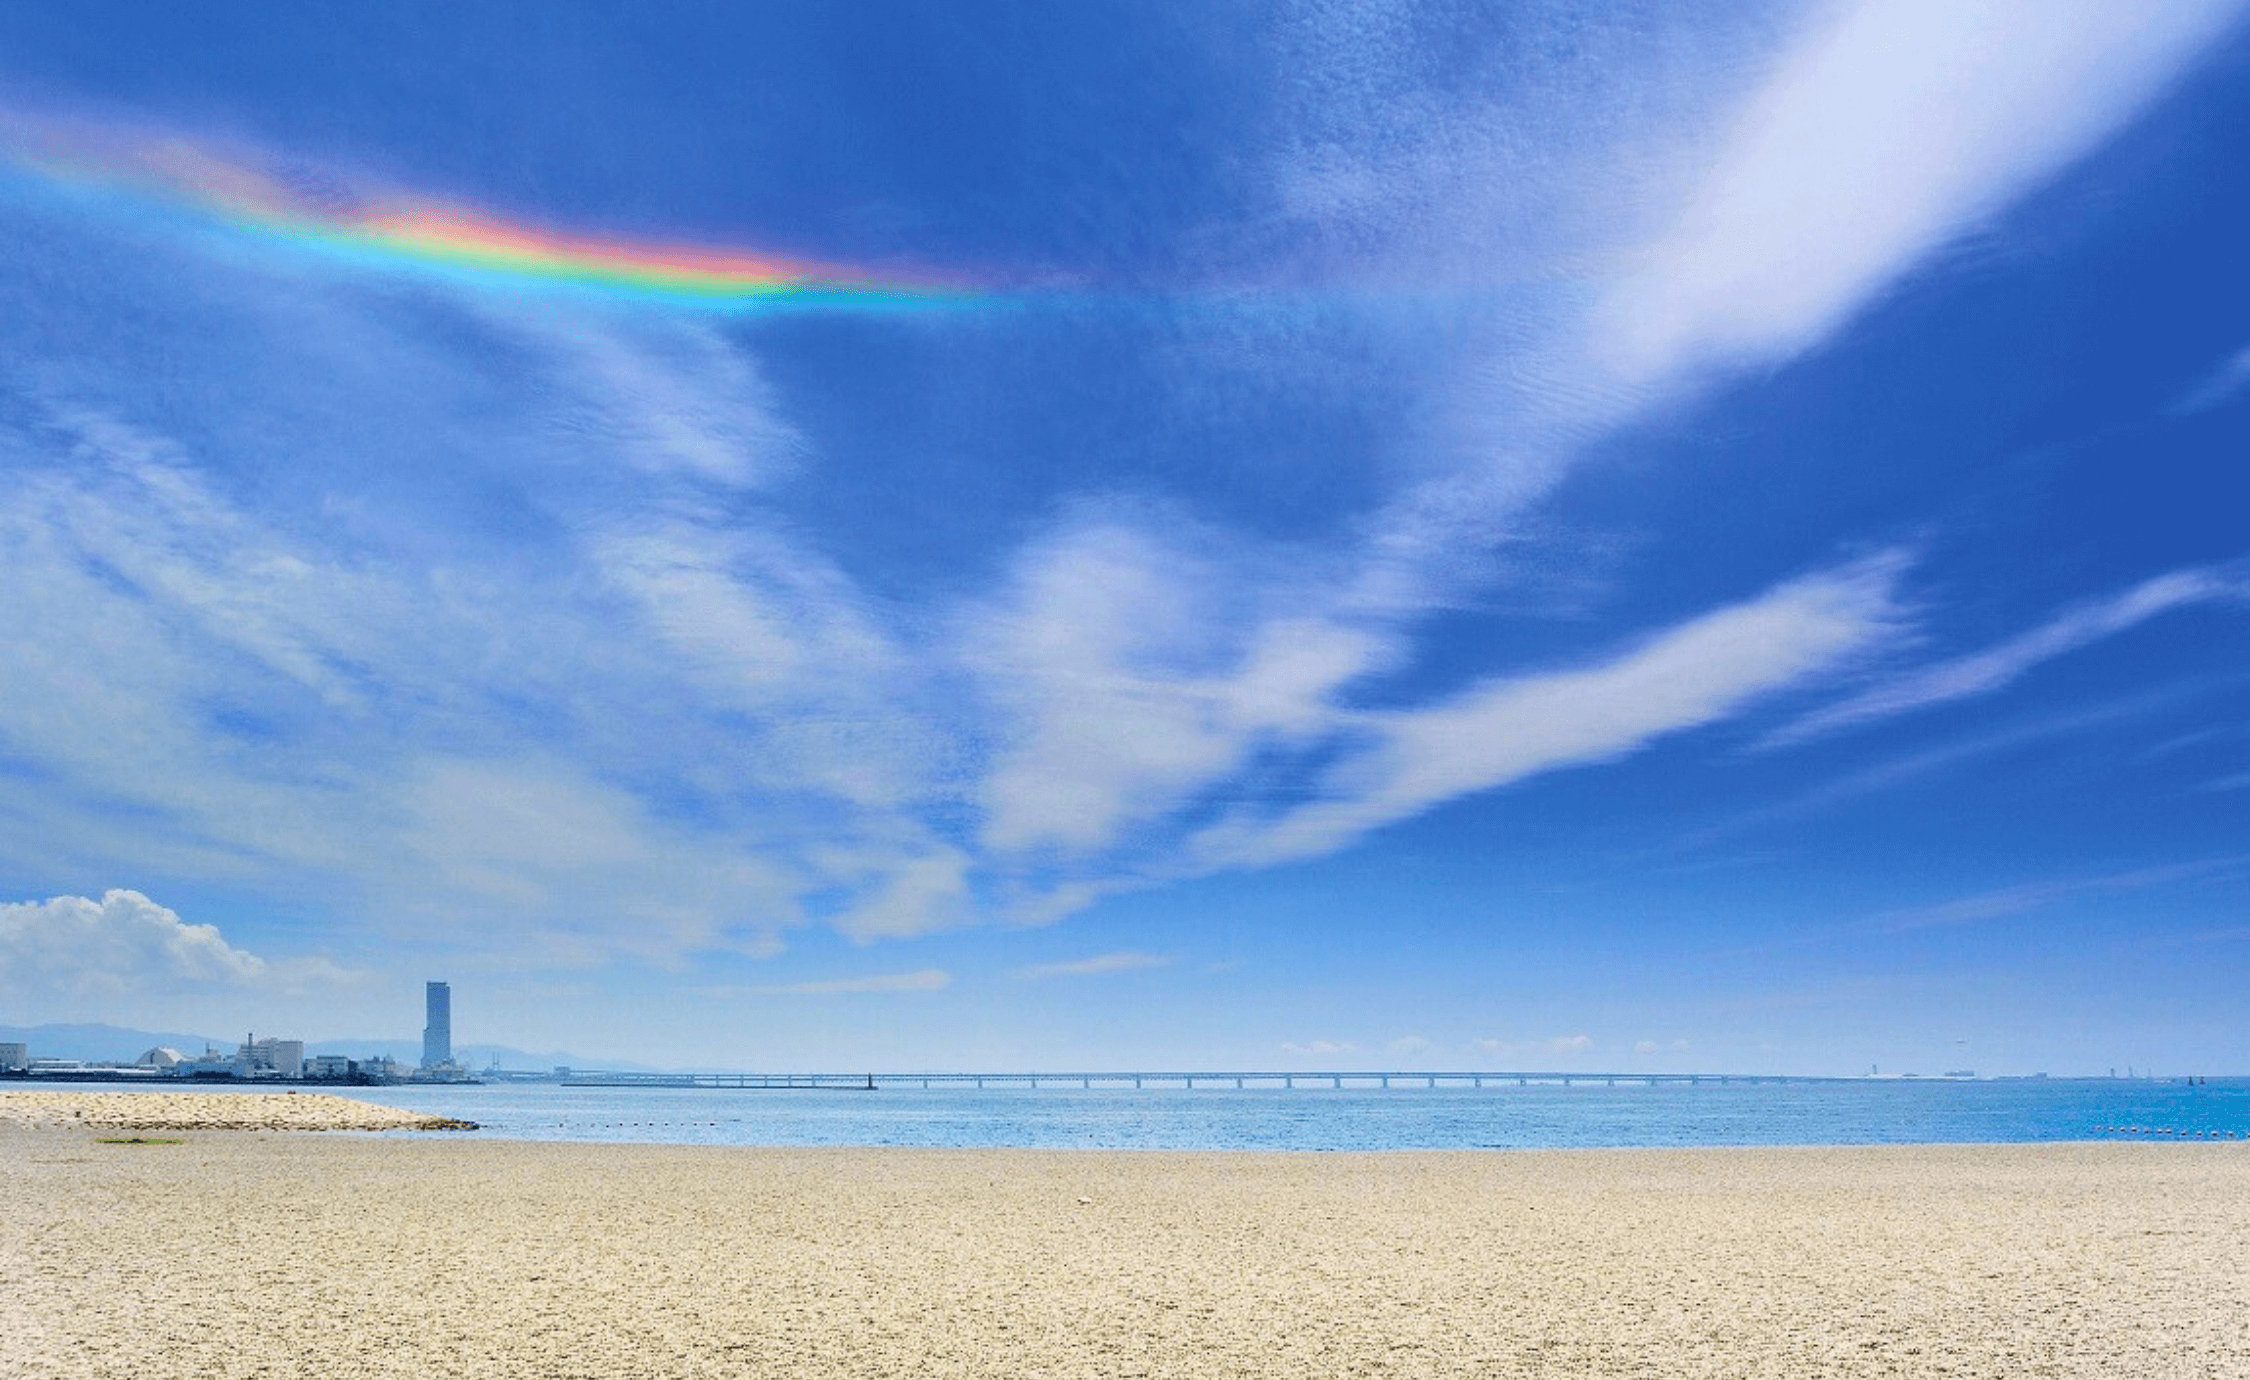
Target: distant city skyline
x,y
101,1044
1134,534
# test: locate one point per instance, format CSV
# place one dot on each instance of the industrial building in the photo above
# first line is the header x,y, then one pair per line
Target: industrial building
x,y
283,1058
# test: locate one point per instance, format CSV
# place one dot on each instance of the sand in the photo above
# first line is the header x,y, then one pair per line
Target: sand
x,y
204,1110
275,1255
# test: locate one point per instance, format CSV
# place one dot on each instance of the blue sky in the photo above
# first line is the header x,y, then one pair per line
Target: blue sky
x,y
1463,536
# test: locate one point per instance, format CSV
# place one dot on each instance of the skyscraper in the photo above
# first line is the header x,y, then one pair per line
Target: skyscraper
x,y
437,1035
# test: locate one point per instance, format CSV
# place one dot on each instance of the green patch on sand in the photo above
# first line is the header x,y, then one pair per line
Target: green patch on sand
x,y
136,1140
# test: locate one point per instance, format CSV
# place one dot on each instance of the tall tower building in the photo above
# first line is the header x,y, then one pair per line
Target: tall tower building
x,y
437,1034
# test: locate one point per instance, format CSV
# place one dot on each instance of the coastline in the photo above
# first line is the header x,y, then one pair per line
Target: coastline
x,y
197,1109
240,1254
1843,1113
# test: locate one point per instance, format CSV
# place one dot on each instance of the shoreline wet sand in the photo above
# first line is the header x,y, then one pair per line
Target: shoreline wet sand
x,y
241,1254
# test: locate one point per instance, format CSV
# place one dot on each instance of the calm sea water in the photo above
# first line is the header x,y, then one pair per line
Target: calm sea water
x,y
1851,1113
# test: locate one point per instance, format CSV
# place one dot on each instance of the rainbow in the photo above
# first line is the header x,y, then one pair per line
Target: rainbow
x,y
313,210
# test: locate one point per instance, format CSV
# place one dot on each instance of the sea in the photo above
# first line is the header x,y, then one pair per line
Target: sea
x,y
1504,1117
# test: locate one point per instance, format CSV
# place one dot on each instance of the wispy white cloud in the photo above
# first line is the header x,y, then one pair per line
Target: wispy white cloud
x,y
1123,961
1882,132
582,870
2216,388
1516,727
1889,130
920,980
1924,763
1319,1049
665,396
666,721
2027,897
2198,738
1914,120
1136,673
911,894
595,767
1996,667
1139,690
126,945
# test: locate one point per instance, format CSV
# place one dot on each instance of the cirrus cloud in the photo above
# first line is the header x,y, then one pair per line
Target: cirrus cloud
x,y
919,980
1124,961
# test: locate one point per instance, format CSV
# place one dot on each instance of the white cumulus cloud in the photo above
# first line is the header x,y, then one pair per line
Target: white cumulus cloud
x,y
126,944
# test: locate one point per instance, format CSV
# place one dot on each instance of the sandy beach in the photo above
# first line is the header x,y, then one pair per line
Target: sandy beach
x,y
200,1109
246,1254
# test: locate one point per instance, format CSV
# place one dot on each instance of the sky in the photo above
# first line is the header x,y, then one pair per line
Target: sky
x,y
1293,535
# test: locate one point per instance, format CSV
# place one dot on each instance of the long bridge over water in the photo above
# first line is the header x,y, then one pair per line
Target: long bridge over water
x,y
1169,1078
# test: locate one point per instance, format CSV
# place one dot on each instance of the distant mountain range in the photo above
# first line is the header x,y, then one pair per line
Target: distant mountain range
x,y
98,1043
117,1044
